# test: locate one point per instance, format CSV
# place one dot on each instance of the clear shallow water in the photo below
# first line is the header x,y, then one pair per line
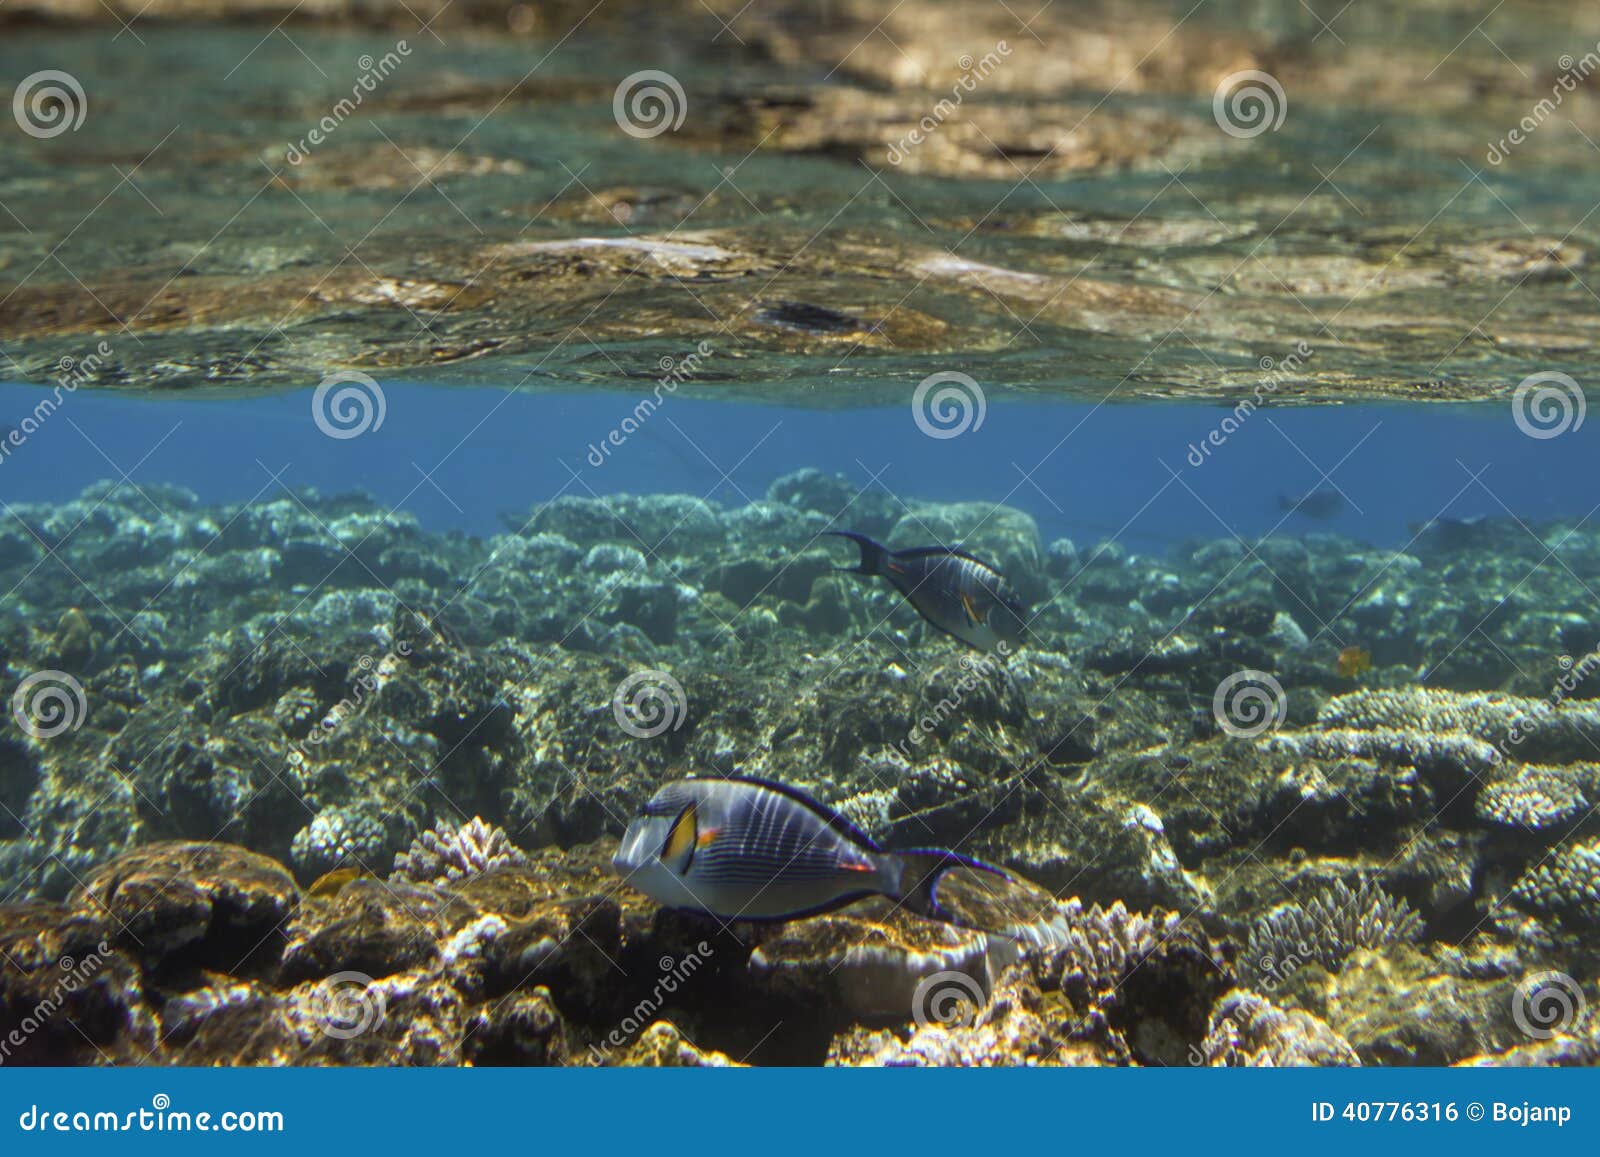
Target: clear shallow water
x,y
459,458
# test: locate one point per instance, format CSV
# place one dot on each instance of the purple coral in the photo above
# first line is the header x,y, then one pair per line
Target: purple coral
x,y
441,855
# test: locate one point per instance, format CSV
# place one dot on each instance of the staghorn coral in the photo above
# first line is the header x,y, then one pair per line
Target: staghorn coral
x,y
1327,928
1248,1030
440,855
1566,885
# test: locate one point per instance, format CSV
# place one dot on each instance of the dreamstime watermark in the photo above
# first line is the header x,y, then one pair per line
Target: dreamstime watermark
x,y
71,373
649,703
1249,103
1548,405
160,1117
1546,1003
1573,74
49,703
673,974
347,404
948,999
48,103
972,71
976,670
674,372
373,73
1249,703
948,404
347,1005
74,975
1573,673
369,680
1276,371
649,103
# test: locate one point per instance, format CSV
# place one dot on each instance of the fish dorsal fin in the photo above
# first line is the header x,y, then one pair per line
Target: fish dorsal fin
x,y
817,808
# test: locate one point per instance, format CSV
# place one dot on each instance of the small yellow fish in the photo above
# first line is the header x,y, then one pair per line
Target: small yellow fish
x,y
1353,661
330,884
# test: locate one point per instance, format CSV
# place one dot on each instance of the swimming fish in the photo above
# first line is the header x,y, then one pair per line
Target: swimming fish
x,y
963,596
750,849
1352,662
1315,504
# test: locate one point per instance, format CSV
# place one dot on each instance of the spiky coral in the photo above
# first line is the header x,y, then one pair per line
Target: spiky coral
x,y
438,855
1327,928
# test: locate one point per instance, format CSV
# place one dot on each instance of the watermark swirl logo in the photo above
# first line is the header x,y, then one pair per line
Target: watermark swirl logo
x,y
1249,703
49,703
347,1004
948,404
649,703
947,999
49,103
1546,1003
1547,405
649,103
1249,103
347,404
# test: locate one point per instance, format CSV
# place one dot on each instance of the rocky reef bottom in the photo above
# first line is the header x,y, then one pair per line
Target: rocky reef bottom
x,y
299,782
196,954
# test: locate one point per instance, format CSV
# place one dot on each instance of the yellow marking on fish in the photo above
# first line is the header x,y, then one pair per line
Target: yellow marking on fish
x,y
973,616
682,836
705,837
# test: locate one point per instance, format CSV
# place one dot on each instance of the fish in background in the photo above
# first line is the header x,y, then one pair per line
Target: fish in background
x,y
1352,662
749,849
961,595
1318,505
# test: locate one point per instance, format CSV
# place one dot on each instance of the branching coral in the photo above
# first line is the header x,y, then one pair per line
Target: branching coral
x,y
441,855
1567,884
338,837
1559,730
1536,799
1327,928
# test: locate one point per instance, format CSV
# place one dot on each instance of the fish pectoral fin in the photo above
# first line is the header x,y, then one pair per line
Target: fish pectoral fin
x,y
706,837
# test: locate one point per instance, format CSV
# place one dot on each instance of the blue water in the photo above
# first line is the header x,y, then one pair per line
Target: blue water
x,y
459,458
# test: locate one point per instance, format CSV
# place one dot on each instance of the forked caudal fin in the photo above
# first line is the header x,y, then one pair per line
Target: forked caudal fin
x,y
922,869
873,553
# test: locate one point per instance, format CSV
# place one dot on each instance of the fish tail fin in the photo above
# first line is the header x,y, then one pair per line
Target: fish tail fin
x,y
873,554
921,869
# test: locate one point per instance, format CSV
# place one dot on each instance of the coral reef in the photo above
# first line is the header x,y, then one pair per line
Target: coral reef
x,y
1327,928
1249,1030
472,849
272,789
